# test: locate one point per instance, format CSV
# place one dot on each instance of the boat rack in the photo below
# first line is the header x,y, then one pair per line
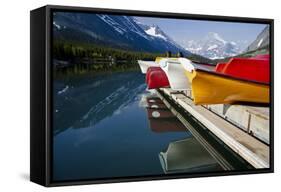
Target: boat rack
x,y
244,129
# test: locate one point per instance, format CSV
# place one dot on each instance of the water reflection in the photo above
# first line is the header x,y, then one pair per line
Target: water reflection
x,y
187,155
83,102
161,118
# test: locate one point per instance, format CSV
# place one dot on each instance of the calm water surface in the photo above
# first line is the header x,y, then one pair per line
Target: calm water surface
x,y
105,127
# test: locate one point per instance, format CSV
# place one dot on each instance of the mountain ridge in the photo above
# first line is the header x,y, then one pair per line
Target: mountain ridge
x,y
116,31
261,40
213,46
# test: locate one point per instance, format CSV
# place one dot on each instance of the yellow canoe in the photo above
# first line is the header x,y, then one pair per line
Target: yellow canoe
x,y
214,88
158,59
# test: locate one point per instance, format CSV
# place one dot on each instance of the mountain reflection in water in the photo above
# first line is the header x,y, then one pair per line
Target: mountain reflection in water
x,y
88,100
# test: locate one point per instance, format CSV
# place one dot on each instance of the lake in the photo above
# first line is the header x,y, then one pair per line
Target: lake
x,y
109,125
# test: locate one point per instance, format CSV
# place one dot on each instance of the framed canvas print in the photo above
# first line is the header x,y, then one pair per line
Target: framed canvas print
x,y
120,95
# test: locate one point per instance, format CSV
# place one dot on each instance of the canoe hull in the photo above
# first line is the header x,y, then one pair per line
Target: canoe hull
x,y
149,70
175,74
212,88
144,65
157,79
254,69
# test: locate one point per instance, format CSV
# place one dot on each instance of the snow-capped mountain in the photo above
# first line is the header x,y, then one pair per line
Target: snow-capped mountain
x,y
156,33
213,46
262,40
116,31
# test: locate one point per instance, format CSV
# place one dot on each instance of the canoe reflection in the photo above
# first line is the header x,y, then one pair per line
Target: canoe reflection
x,y
161,119
187,156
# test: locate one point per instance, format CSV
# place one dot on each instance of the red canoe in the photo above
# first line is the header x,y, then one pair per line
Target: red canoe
x,y
219,67
149,70
255,68
156,78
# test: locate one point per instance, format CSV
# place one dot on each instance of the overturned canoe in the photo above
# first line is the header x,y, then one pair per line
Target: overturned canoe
x,y
144,65
157,79
254,69
219,67
215,88
175,73
149,70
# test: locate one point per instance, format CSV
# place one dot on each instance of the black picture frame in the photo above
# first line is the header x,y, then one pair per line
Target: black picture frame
x,y
41,91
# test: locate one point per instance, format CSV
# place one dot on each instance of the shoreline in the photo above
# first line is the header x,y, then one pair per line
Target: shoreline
x,y
60,75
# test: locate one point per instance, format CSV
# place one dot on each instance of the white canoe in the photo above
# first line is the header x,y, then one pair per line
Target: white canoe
x,y
189,66
175,73
144,65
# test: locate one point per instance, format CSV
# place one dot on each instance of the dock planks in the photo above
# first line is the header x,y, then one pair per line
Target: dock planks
x,y
249,148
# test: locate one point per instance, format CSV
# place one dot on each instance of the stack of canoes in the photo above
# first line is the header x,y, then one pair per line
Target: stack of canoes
x,y
240,80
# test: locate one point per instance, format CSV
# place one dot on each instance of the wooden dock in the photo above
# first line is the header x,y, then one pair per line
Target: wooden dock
x,y
234,125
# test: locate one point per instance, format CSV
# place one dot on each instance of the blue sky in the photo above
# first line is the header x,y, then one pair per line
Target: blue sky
x,y
182,30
